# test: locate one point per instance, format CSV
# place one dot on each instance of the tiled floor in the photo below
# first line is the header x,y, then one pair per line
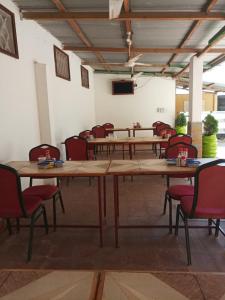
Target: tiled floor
x,y
140,249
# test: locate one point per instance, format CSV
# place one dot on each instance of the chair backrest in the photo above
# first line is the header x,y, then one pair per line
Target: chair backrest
x,y
155,124
173,150
170,131
86,133
210,188
11,199
160,127
41,150
99,131
180,138
76,148
108,126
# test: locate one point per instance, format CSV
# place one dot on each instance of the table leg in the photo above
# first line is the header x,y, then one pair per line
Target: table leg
x,y
104,196
134,134
116,208
100,210
130,151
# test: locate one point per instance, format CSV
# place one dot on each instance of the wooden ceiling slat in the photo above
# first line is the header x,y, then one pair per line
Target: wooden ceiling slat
x,y
193,28
141,50
76,28
125,16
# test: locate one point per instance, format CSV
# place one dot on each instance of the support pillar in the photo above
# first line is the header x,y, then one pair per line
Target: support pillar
x,y
195,102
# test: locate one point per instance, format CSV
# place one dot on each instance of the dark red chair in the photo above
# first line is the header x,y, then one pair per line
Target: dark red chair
x,y
91,148
156,124
47,191
207,201
158,128
175,192
15,204
164,132
99,131
76,148
108,126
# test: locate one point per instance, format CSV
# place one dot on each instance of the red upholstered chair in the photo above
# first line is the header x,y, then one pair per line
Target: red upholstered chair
x,y
76,148
108,126
163,146
158,128
207,201
15,204
175,192
156,124
99,131
46,191
91,149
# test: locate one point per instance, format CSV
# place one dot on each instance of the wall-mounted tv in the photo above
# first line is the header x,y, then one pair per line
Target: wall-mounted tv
x,y
122,87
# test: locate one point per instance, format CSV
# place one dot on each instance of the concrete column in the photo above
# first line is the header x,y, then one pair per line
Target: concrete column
x,y
195,102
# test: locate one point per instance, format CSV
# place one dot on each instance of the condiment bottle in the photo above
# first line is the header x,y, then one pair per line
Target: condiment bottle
x,y
183,161
47,154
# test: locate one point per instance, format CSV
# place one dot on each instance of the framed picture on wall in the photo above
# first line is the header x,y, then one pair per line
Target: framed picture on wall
x,y
62,64
8,40
84,77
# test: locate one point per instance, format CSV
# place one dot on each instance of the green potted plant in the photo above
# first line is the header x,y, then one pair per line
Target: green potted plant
x,y
209,140
181,124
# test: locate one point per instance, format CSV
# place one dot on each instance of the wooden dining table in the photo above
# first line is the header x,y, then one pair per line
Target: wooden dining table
x,y
142,167
71,169
130,141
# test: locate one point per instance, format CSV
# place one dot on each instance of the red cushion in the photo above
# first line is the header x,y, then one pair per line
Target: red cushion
x,y
178,191
164,145
44,191
206,213
31,203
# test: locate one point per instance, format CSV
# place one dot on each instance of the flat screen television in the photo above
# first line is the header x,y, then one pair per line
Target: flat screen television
x,y
122,87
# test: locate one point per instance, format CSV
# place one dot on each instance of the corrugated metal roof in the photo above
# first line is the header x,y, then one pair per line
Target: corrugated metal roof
x,y
145,34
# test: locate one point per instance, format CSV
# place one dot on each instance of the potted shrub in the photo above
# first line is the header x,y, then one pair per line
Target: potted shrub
x,y
209,140
181,124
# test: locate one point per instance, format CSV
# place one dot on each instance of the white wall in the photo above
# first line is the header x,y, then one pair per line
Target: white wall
x,y
123,110
73,105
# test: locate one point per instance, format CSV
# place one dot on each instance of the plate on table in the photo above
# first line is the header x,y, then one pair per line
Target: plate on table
x,y
171,161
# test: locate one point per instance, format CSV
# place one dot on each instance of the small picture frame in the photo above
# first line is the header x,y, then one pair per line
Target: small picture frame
x,y
8,39
84,77
62,64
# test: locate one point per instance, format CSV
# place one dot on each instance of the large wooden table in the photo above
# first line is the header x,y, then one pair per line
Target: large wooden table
x,y
141,167
128,141
129,129
141,128
118,129
70,169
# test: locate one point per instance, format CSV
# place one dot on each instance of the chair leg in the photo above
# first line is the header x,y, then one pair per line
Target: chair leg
x,y
217,227
210,226
54,212
29,252
170,215
177,219
188,248
167,181
18,225
45,220
165,203
8,225
31,181
61,201
89,180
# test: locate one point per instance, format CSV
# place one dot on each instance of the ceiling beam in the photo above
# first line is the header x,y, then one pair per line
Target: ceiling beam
x,y
209,5
77,29
125,16
126,5
141,50
212,42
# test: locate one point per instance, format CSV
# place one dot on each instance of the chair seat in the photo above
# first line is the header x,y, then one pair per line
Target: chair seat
x,y
164,145
205,213
178,191
44,191
31,203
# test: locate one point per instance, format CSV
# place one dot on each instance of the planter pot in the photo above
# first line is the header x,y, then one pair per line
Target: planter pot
x,y
181,129
209,145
